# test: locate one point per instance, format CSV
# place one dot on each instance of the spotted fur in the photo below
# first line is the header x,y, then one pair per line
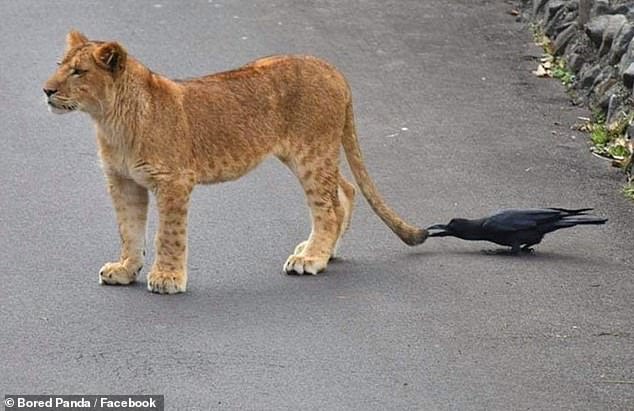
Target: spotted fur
x,y
165,136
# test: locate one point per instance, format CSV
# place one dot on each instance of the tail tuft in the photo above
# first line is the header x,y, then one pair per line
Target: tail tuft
x,y
414,237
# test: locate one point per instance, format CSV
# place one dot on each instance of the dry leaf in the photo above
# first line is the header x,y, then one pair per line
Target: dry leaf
x,y
541,71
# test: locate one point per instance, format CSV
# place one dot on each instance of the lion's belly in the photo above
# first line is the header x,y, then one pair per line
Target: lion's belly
x,y
221,168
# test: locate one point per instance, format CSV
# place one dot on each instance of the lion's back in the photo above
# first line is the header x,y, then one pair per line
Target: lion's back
x,y
281,72
276,94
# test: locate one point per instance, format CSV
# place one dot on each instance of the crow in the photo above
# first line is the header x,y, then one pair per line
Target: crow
x,y
518,228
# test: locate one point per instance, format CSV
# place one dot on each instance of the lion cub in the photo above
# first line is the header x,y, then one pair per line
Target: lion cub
x,y
165,136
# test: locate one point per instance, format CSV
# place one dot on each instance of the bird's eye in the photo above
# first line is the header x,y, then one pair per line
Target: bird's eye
x,y
77,72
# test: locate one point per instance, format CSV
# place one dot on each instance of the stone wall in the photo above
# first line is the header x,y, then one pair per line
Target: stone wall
x,y
596,39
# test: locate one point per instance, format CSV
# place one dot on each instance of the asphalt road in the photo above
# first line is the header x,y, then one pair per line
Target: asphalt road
x,y
452,123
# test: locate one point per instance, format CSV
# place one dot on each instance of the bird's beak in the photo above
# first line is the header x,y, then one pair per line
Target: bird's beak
x,y
443,230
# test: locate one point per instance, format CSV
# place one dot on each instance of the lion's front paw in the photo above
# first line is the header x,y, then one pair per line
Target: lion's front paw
x,y
299,264
300,247
119,273
166,282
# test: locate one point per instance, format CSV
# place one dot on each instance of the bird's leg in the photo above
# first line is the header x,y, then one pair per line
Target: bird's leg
x,y
491,251
528,247
498,251
515,249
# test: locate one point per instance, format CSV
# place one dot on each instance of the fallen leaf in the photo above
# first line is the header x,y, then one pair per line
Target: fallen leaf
x,y
541,71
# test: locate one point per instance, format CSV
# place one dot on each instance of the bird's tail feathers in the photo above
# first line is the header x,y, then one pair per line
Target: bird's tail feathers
x,y
580,219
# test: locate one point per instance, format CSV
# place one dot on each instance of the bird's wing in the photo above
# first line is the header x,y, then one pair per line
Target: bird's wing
x,y
516,219
572,211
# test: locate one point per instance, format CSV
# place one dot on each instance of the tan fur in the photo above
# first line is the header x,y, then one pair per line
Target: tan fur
x,y
166,136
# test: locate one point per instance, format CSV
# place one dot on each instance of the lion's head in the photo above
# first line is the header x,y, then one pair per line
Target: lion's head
x,y
85,76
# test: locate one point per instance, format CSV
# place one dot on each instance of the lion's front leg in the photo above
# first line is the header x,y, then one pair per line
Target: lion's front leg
x,y
130,202
169,272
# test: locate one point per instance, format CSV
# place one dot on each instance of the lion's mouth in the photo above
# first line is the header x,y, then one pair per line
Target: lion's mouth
x,y
60,108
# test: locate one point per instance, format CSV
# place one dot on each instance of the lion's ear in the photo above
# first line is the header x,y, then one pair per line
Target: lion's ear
x,y
75,39
110,56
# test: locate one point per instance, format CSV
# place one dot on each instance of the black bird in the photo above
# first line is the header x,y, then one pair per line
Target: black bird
x,y
518,228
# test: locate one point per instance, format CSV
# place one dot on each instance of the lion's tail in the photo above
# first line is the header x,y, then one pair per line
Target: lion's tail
x,y
409,234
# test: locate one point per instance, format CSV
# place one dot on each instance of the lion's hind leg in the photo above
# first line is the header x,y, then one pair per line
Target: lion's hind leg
x,y
320,180
346,193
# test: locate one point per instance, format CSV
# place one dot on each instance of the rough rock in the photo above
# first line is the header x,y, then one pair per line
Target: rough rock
x,y
627,58
628,76
601,7
621,42
596,39
564,38
595,29
575,62
553,7
603,29
538,5
589,76
603,82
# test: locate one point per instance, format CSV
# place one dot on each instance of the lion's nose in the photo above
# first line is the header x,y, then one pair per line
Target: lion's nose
x,y
49,92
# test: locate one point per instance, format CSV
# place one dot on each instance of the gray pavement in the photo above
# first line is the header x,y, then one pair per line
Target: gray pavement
x,y
451,122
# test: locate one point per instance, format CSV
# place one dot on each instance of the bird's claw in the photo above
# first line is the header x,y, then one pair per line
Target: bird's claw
x,y
499,251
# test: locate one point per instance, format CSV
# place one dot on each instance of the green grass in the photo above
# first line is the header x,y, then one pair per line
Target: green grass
x,y
599,135
558,69
628,191
562,73
598,116
541,39
618,151
608,140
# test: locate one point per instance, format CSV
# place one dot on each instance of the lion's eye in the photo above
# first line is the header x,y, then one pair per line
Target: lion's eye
x,y
77,72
